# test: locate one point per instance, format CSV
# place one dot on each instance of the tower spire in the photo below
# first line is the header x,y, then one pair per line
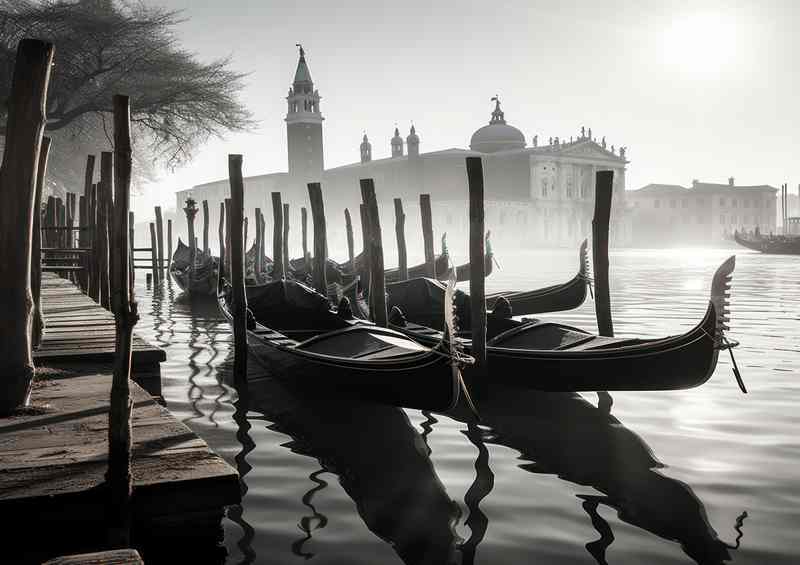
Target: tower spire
x,y
304,126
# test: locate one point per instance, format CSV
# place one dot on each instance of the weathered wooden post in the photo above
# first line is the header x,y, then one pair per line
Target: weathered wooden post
x,y
124,306
169,244
304,227
427,234
400,232
348,226
191,211
244,230
154,254
258,260
604,182
222,233
477,289
132,244
50,221
377,280
319,274
83,279
263,238
206,218
365,271
61,219
88,177
104,199
24,128
94,265
237,269
285,246
70,219
277,237
160,241
36,245
228,235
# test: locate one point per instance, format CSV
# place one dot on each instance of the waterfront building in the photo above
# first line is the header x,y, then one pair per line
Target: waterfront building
x,y
705,213
536,194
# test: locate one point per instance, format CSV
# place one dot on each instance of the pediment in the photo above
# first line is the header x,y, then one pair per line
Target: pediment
x,y
589,150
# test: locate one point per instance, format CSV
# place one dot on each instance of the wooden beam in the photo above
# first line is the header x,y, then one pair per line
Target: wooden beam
x,y
237,268
277,237
377,280
104,201
206,248
477,288
604,182
427,234
222,233
348,226
285,247
400,232
319,274
304,228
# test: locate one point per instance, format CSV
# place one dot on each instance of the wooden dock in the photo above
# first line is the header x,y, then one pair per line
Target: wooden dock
x,y
53,455
77,329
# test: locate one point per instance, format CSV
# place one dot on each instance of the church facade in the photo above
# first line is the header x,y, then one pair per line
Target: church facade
x,y
536,194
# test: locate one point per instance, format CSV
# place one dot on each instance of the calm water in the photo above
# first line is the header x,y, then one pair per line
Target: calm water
x,y
545,478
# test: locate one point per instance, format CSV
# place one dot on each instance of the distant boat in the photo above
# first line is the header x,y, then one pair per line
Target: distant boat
x,y
543,355
204,279
771,244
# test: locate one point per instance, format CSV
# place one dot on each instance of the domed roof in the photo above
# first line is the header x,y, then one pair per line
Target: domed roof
x,y
498,135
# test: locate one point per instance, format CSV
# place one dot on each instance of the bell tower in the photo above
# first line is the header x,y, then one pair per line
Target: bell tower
x,y
304,128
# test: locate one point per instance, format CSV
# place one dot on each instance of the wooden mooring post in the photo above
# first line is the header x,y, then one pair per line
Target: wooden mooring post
x,y
94,266
228,235
131,240
400,232
169,244
191,211
304,228
154,253
604,184
285,240
206,219
70,220
125,316
237,268
83,278
377,280
258,260
277,237
105,199
222,233
319,274
427,234
160,241
88,177
366,265
477,280
348,226
36,245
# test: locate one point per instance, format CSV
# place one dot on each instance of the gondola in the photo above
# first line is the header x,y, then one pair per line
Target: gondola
x,y
550,356
771,245
326,348
421,299
204,280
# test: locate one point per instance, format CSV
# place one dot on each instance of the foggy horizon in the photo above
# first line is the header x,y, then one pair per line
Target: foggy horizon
x,y
693,92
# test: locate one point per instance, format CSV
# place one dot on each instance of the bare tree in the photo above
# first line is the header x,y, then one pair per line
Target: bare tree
x,y
104,47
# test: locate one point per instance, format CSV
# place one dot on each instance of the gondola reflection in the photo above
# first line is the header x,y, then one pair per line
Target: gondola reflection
x,y
565,435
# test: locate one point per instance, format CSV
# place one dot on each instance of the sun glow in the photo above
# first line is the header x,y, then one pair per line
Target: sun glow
x,y
702,44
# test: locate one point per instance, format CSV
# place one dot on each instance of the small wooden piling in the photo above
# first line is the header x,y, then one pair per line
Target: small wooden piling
x,y
104,199
83,279
263,239
377,280
319,275
244,230
36,245
348,226
131,240
61,220
604,182
191,211
70,220
277,237
228,235
237,269
304,228
125,315
258,260
169,243
160,241
400,232
94,267
477,288
427,234
206,220
88,177
154,253
222,233
50,221
366,266
285,246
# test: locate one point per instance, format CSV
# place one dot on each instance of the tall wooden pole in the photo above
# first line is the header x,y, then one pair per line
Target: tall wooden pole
x,y
277,237
88,177
131,241
125,316
477,289
244,232
169,243
104,199
400,232
377,280
365,270
24,127
237,268
36,245
160,241
222,233
263,238
304,228
427,234
191,211
60,221
154,255
348,226
50,221
319,274
206,248
285,247
70,219
258,261
83,278
604,182
228,235
94,282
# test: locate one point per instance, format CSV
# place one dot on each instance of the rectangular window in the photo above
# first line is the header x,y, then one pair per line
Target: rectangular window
x,y
733,203
722,202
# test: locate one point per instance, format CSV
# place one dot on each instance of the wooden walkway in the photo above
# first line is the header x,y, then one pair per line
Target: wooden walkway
x,y
77,329
53,458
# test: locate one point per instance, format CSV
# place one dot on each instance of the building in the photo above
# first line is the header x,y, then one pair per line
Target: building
x,y
705,213
535,194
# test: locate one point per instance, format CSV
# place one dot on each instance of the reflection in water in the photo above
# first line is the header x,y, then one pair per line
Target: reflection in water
x,y
236,513
316,521
480,488
565,435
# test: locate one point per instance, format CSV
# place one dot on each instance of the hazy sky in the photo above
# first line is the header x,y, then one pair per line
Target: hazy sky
x,y
694,89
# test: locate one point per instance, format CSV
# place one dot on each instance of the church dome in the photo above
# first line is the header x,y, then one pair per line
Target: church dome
x,y
498,135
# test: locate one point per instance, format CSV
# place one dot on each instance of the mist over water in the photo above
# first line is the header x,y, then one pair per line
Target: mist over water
x,y
545,478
